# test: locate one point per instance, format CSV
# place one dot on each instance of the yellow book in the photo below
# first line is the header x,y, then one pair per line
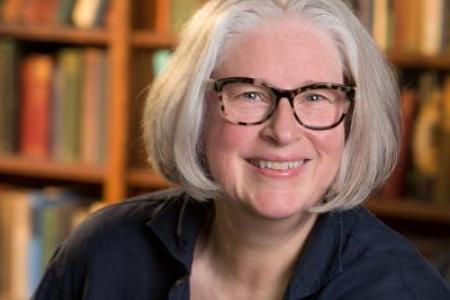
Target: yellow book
x,y
15,252
432,26
380,23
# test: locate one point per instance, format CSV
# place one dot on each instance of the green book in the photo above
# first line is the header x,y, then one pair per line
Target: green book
x,y
446,29
67,105
9,102
64,11
160,59
103,97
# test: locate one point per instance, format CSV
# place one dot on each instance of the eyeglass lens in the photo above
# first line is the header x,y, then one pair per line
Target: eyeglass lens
x,y
251,103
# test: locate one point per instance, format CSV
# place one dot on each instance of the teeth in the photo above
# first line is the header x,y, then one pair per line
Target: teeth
x,y
277,165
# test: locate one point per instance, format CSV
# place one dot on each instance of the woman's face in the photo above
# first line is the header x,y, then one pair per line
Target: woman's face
x,y
285,54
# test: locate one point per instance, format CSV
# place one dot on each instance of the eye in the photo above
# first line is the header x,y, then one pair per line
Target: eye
x,y
314,97
320,95
251,95
254,96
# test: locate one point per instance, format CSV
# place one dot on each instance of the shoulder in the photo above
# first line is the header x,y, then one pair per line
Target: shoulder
x,y
114,245
378,262
119,222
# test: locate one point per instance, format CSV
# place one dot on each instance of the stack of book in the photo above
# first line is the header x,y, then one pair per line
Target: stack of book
x,y
54,106
32,225
424,172
419,26
79,13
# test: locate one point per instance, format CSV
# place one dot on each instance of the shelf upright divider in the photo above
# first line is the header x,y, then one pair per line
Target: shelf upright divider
x,y
162,16
115,185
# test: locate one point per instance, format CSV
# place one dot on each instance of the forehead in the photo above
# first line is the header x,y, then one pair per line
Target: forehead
x,y
284,52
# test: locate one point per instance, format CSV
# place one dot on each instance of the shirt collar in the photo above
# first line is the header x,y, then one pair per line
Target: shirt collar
x,y
177,224
321,258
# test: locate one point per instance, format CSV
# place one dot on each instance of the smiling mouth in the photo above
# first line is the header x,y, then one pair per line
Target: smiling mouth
x,y
277,165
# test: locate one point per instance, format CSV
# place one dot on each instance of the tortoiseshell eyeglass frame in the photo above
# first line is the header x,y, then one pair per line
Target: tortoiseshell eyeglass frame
x,y
218,84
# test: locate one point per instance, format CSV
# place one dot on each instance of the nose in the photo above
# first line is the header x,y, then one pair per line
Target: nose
x,y
282,128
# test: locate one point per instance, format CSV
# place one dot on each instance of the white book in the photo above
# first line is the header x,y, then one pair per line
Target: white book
x,y
86,12
432,29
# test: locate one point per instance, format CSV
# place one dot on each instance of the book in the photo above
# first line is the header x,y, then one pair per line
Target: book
x,y
446,29
39,11
1,9
16,234
380,23
103,97
4,229
89,13
442,185
33,223
9,102
36,86
160,59
11,11
407,26
394,187
424,148
67,108
64,11
432,27
93,127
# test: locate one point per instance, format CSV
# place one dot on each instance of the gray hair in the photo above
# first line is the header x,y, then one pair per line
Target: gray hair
x,y
174,117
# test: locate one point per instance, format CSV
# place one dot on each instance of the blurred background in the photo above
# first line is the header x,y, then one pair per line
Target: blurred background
x,y
73,78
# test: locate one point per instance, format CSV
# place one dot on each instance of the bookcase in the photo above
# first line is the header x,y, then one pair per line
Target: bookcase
x,y
132,30
144,26
119,39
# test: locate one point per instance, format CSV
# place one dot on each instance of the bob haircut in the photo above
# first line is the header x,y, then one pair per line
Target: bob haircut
x,y
175,115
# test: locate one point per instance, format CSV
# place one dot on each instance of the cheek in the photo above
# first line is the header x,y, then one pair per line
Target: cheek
x,y
223,141
330,145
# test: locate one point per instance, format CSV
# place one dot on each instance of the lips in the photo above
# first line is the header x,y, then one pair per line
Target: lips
x,y
277,165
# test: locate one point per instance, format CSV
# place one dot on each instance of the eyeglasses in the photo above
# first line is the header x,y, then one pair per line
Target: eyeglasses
x,y
249,101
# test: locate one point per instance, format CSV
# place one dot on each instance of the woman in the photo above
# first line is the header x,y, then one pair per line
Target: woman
x,y
277,119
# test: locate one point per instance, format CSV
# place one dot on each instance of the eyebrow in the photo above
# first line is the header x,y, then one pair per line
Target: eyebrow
x,y
305,83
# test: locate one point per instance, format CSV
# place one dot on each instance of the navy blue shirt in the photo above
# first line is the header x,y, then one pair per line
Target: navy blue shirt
x,y
143,249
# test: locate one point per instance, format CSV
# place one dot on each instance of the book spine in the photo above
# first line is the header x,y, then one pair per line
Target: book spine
x,y
69,105
432,27
93,106
380,23
442,188
9,104
394,188
37,74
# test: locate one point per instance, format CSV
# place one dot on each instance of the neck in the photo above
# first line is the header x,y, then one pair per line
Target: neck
x,y
255,252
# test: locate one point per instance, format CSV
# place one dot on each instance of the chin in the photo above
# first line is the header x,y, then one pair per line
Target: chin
x,y
278,207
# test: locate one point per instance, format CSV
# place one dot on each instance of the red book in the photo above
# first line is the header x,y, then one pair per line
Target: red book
x,y
39,11
36,86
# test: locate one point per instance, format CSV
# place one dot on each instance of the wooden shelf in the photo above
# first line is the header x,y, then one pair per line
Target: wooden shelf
x,y
56,34
16,165
150,40
408,209
411,60
145,178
